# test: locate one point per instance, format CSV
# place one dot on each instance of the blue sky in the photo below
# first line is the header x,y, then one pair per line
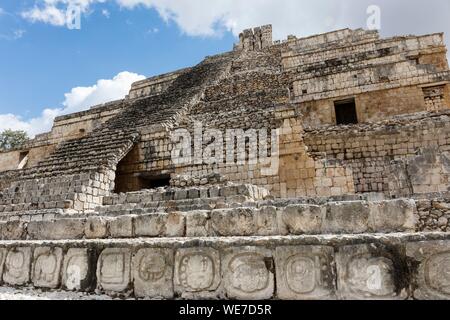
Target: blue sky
x,y
47,69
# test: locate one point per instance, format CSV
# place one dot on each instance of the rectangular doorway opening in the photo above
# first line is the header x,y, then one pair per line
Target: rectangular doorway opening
x,y
153,182
345,112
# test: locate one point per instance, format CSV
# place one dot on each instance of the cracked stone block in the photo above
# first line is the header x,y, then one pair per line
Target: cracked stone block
x,y
46,267
153,273
151,225
248,273
371,272
17,266
303,219
432,276
60,229
12,230
233,222
305,273
392,216
197,273
175,225
346,217
198,224
122,227
78,270
96,228
114,270
267,222
3,253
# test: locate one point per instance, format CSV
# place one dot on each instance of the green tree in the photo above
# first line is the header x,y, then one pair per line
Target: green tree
x,y
10,140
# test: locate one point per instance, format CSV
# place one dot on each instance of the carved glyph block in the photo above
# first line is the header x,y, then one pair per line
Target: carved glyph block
x,y
197,272
433,272
305,272
248,273
153,273
113,270
77,274
17,266
367,272
46,267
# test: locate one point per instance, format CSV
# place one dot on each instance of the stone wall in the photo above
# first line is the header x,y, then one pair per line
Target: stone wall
x,y
406,152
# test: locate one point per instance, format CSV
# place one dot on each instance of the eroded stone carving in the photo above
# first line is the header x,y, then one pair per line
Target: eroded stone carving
x,y
197,271
247,274
433,273
77,272
153,271
46,267
17,266
305,272
113,269
366,272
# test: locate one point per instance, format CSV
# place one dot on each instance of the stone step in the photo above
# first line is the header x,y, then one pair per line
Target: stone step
x,y
367,266
332,218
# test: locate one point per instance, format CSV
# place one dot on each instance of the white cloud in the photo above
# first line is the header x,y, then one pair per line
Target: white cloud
x,y
106,13
54,12
78,99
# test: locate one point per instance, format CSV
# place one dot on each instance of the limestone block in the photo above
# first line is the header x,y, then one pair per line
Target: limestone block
x,y
96,228
303,219
180,195
346,217
197,273
78,270
3,253
153,273
122,227
305,273
267,222
233,222
392,216
432,277
12,230
198,224
59,229
46,267
368,271
248,273
114,270
17,266
151,225
175,225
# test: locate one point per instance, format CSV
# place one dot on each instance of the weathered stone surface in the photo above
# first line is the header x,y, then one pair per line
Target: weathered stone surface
x,y
12,230
3,253
369,272
96,228
153,273
160,224
432,276
122,227
114,270
267,222
346,217
78,270
197,273
46,271
56,230
248,273
198,224
233,222
305,273
17,266
303,219
392,216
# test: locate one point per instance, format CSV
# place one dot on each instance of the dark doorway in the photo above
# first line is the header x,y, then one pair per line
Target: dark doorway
x,y
345,112
152,182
